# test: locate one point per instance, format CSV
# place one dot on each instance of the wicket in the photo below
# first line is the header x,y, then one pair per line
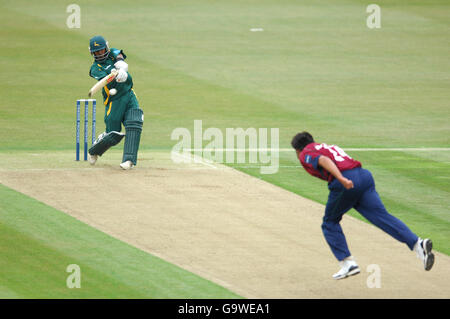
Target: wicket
x,y
86,118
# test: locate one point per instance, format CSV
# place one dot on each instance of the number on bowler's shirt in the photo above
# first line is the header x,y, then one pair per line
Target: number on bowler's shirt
x,y
338,153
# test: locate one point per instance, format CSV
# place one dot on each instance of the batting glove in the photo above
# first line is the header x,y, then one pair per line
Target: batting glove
x,y
122,76
121,65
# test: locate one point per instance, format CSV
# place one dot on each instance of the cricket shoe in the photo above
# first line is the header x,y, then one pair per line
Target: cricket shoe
x,y
127,165
423,249
349,267
92,159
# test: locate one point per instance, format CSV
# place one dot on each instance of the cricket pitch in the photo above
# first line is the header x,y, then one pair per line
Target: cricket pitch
x,y
250,236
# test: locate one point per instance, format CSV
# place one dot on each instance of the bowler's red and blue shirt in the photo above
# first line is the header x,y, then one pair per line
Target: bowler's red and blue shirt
x,y
309,158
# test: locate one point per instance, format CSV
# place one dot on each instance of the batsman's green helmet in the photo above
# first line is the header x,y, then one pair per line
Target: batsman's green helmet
x,y
98,43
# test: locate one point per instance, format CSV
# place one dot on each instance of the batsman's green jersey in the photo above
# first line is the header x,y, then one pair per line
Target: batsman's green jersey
x,y
100,70
121,107
115,105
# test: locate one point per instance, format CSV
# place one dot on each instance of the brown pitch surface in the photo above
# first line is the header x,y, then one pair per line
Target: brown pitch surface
x,y
250,236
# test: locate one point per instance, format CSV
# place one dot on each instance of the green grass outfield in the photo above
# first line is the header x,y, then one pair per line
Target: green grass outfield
x,y
39,243
316,66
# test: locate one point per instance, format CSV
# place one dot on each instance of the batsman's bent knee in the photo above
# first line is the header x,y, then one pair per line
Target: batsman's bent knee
x,y
105,141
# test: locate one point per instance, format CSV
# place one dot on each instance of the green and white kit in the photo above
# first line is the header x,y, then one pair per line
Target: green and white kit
x,y
121,105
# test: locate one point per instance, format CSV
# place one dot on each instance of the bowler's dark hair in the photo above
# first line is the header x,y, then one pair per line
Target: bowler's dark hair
x,y
300,140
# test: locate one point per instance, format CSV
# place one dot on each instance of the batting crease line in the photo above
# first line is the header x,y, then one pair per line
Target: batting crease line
x,y
195,158
421,149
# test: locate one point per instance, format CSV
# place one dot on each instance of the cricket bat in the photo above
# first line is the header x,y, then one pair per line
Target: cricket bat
x,y
107,79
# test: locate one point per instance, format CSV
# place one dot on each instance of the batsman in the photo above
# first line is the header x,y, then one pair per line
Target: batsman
x,y
121,104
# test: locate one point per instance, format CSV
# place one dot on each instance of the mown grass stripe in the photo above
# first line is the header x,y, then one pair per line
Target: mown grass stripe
x,y
38,242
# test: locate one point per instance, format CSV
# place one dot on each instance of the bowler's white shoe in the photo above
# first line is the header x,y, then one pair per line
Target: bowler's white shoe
x,y
92,159
349,267
127,165
423,249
